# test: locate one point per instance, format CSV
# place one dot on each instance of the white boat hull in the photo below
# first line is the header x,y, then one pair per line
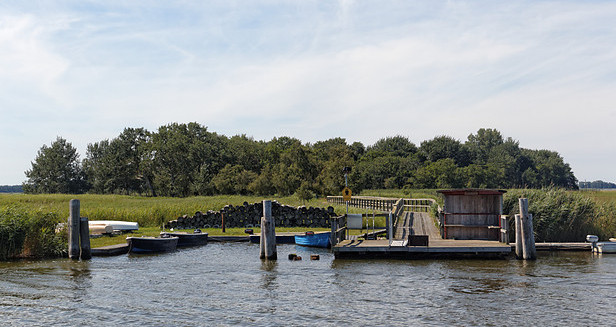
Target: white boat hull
x,y
606,247
116,224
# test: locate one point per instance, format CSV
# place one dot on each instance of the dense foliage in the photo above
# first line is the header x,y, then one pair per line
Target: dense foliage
x,y
187,159
29,233
561,216
56,169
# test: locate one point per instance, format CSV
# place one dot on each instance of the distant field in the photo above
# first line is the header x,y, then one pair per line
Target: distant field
x,y
604,196
407,194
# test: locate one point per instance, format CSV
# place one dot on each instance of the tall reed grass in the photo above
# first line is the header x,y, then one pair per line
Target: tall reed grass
x,y
29,233
564,216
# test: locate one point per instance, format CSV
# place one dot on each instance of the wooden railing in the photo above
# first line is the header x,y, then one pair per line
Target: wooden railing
x,y
339,227
395,206
418,205
366,202
384,204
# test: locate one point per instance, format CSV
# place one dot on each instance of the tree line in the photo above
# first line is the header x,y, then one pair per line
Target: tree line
x,y
11,189
597,185
181,160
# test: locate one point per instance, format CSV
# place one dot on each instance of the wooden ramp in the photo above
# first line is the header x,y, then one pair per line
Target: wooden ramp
x,y
423,224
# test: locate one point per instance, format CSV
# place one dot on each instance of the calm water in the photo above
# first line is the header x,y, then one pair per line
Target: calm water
x,y
227,284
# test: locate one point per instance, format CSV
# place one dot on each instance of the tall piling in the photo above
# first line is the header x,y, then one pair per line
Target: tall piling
x,y
519,251
529,251
84,235
268,233
73,230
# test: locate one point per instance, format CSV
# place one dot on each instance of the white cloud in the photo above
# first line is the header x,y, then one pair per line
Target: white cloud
x,y
360,70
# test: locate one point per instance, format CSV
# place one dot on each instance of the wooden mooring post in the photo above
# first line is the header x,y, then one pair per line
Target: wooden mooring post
x,y
78,233
268,233
84,235
525,237
73,230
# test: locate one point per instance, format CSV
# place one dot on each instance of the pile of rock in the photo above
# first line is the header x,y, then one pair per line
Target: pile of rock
x,y
249,215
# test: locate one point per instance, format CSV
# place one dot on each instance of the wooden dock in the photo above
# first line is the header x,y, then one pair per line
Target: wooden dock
x,y
110,250
419,223
435,248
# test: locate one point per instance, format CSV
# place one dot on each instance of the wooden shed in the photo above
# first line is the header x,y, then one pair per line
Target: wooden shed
x,y
472,214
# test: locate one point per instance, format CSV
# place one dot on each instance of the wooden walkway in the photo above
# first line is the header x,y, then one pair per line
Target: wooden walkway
x,y
419,223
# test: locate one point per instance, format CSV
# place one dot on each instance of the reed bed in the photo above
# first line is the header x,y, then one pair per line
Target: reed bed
x,y
30,233
565,216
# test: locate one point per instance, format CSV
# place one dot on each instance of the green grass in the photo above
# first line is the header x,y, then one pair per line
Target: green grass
x,y
404,193
147,211
27,213
601,196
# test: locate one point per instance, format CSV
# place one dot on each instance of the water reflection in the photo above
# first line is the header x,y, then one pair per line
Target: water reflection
x,y
268,278
81,277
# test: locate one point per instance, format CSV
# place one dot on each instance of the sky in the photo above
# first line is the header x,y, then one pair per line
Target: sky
x,y
540,72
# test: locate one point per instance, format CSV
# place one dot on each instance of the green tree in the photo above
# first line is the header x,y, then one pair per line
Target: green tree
x,y
304,192
56,169
116,166
181,156
246,152
482,176
358,150
481,144
262,184
398,146
233,179
440,174
549,169
443,147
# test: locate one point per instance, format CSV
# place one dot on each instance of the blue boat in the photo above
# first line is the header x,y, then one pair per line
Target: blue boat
x,y
320,240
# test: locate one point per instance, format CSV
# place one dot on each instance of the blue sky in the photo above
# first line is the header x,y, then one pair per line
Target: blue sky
x,y
541,72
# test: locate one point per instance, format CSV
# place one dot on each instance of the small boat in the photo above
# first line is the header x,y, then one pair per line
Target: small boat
x,y
100,229
606,247
152,244
321,240
115,224
188,239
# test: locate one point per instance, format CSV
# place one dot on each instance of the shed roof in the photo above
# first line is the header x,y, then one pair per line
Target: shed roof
x,y
472,191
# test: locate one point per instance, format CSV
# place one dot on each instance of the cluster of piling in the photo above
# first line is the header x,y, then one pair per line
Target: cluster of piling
x,y
524,235
78,233
249,215
268,233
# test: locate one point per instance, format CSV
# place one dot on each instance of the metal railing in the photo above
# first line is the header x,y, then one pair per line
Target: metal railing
x,y
392,207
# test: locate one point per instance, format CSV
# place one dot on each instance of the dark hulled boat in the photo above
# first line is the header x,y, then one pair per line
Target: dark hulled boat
x,y
151,244
188,239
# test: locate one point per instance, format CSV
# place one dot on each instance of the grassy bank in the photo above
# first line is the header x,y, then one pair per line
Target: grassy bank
x,y
147,211
27,222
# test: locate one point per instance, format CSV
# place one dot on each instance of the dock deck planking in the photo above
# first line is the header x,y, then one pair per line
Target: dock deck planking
x,y
419,223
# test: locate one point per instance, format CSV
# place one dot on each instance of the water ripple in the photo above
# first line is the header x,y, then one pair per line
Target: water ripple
x,y
228,285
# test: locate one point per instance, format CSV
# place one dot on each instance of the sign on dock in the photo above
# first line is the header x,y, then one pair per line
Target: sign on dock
x,y
346,194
